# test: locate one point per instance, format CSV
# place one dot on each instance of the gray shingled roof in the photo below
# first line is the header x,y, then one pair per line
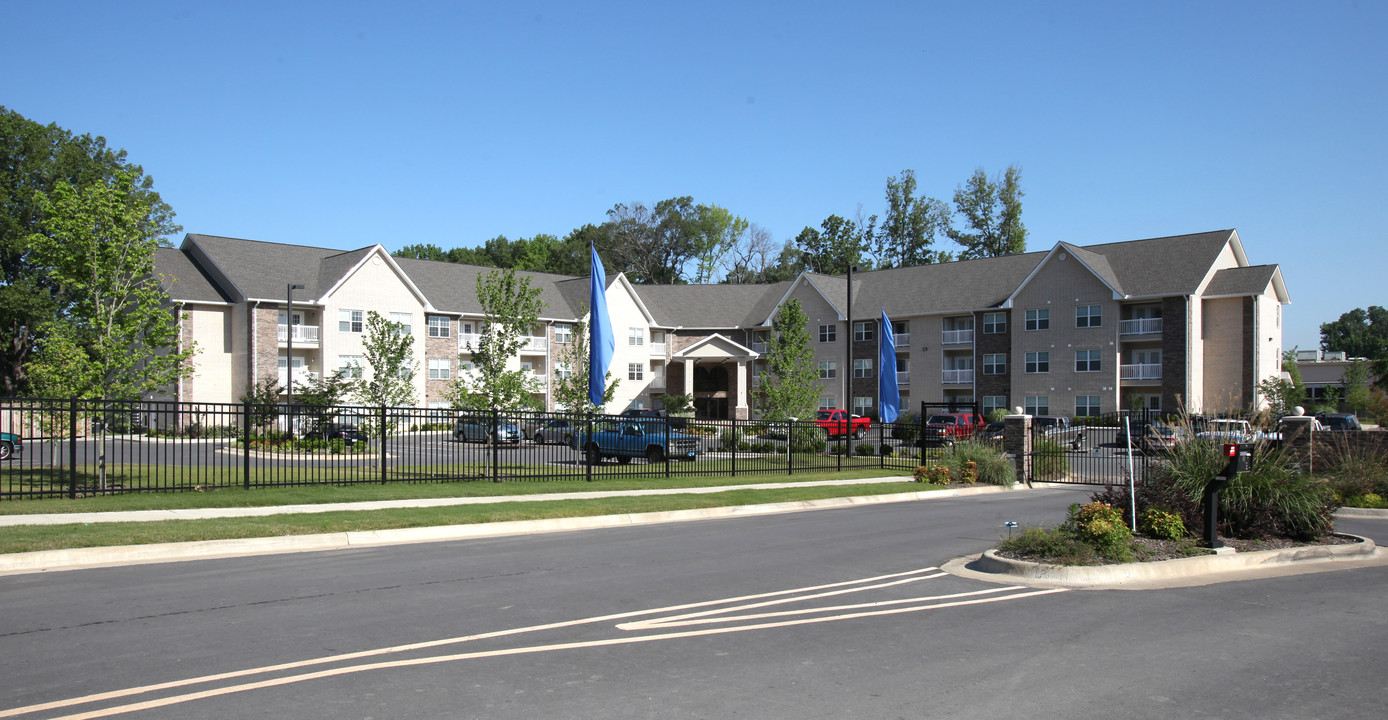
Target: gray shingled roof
x,y
264,270
710,306
1164,266
183,280
452,287
1251,280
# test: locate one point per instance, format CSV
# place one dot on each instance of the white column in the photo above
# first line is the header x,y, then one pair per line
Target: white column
x,y
689,376
741,386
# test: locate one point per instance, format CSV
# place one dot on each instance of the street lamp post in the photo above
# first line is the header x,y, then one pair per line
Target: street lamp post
x,y
289,333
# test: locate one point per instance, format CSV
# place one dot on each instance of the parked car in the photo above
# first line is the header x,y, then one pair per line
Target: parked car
x,y
1225,430
558,430
1341,422
993,431
481,429
625,440
836,423
676,423
1059,429
10,445
338,431
1161,438
949,428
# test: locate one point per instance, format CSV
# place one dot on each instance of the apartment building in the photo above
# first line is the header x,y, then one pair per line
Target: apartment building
x,y
1182,322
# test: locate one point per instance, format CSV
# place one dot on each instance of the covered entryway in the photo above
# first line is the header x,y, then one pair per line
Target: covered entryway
x,y
713,370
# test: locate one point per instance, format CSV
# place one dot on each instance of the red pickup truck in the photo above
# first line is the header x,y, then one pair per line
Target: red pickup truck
x,y
949,428
838,422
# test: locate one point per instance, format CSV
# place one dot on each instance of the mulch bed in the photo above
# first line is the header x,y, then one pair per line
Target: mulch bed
x,y
1150,550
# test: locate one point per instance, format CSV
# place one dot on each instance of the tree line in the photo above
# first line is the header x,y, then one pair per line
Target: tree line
x,y
678,241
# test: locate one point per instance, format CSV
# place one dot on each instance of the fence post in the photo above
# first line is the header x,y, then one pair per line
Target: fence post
x,y
790,446
737,439
72,449
383,443
583,448
920,436
496,457
246,442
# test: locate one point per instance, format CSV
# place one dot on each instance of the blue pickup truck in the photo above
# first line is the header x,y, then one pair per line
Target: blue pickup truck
x,y
625,440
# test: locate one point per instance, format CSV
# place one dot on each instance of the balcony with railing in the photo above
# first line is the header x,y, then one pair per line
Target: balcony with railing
x,y
956,377
535,344
658,382
466,340
301,377
657,349
541,383
903,377
305,334
901,340
758,347
955,337
1144,371
1139,326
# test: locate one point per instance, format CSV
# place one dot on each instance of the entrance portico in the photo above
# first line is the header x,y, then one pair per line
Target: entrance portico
x,y
714,372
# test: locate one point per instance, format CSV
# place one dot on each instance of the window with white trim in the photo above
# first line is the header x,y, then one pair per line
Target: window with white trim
x,y
350,320
828,403
404,320
995,364
1088,360
636,371
1038,319
828,370
1088,316
1038,362
350,365
994,402
440,326
994,323
636,336
829,333
862,406
862,368
862,331
1038,405
1087,406
440,368
563,333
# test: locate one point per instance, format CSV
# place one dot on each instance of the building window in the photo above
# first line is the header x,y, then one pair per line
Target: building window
x,y
404,320
636,336
563,333
467,327
1088,361
828,333
862,331
994,323
350,366
1038,362
994,402
1038,319
1087,406
440,368
562,371
1088,316
862,406
995,364
636,371
349,320
440,327
407,368
828,403
828,370
862,368
1038,405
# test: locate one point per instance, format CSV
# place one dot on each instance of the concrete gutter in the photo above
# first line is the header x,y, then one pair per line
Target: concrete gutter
x,y
1181,572
78,558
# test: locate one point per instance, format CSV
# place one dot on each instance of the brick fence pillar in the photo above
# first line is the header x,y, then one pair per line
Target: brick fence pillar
x,y
1016,441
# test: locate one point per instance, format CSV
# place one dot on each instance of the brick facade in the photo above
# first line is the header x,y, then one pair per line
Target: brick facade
x,y
1174,342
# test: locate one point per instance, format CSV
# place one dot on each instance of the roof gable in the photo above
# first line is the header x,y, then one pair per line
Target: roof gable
x,y
716,345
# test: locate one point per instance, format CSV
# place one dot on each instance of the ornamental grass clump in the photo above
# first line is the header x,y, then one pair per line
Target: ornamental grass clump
x,y
972,461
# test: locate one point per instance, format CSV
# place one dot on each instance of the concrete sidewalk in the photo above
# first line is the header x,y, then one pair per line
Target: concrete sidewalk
x,y
204,513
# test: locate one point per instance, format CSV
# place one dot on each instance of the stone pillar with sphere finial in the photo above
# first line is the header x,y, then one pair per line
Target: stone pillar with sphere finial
x,y
1016,441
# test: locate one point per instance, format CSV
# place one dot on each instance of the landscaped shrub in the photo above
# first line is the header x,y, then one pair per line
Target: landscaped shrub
x,y
989,465
1161,524
907,427
934,474
728,439
1048,459
1101,526
837,450
864,449
886,450
807,439
1056,547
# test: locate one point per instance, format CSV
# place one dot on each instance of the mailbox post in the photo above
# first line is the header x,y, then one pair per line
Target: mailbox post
x,y
1240,459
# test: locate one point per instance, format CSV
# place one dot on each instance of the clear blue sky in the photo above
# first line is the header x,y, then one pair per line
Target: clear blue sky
x,y
348,123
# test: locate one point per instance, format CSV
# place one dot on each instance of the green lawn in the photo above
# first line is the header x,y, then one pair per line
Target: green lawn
x,y
26,538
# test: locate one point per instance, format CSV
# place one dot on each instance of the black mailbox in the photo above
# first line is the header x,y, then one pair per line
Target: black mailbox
x,y
1240,459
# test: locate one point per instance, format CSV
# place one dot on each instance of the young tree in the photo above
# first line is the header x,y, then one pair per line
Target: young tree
x,y
992,210
114,336
571,389
320,397
1357,393
388,354
790,387
264,398
510,309
34,158
910,226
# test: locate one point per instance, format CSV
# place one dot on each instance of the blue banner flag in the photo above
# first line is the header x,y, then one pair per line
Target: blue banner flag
x,y
888,395
601,343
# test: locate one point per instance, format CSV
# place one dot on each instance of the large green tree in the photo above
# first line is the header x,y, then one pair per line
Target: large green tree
x,y
790,386
1358,333
992,214
511,308
910,225
838,245
34,158
115,336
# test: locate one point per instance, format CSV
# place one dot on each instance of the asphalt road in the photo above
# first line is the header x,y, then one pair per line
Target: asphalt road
x,y
825,614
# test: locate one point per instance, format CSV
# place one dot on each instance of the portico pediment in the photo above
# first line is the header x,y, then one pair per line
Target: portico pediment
x,y
716,346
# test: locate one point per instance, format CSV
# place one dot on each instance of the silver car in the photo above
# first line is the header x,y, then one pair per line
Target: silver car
x,y
481,430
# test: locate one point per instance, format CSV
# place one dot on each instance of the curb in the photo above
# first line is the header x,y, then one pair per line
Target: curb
x,y
1362,513
80,558
1180,572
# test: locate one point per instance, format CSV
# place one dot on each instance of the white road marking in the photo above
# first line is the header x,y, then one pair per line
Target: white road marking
x,y
748,602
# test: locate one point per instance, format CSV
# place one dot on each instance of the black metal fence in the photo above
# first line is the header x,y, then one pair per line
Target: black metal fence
x,y
73,448
1102,451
